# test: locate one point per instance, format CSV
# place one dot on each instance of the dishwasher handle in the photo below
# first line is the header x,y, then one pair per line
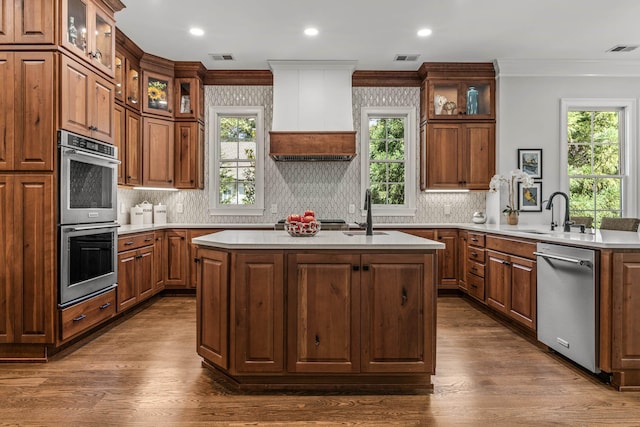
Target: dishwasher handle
x,y
581,262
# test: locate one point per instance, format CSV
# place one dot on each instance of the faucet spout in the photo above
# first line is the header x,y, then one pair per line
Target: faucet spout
x,y
367,206
566,223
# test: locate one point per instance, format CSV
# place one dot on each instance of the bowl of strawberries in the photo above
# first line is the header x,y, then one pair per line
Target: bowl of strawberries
x,y
305,225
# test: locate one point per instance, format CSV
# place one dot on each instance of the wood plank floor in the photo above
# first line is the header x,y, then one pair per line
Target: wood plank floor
x,y
145,372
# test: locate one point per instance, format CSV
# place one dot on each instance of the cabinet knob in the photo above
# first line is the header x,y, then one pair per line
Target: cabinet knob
x,y
317,342
356,268
170,181
404,297
365,267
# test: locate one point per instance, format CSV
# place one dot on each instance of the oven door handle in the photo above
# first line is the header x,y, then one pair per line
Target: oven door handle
x,y
94,156
91,227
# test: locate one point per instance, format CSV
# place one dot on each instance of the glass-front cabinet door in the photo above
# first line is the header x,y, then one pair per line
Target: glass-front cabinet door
x,y
455,99
159,94
119,76
88,32
133,85
188,98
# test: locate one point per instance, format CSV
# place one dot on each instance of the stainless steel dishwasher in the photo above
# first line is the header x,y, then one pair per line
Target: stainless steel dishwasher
x,y
567,302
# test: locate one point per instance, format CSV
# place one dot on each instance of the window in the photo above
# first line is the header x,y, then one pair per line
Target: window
x,y
388,165
237,161
597,141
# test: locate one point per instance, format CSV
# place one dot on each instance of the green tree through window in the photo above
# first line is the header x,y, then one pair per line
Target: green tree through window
x,y
237,160
387,160
594,163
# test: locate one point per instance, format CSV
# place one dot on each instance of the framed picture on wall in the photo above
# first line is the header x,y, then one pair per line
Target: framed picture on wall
x,y
529,198
530,161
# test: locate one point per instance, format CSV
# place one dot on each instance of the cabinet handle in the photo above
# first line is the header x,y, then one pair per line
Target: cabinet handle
x,y
317,343
474,239
79,318
181,237
474,286
170,181
105,305
196,260
128,243
138,256
404,297
474,268
506,263
148,240
475,254
365,267
356,268
129,177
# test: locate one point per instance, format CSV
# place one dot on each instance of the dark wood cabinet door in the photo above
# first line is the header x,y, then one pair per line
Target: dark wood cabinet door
x,y
480,154
75,114
447,259
187,140
101,108
35,253
133,149
444,159
497,280
7,101
119,139
258,312
523,291
324,313
7,306
397,291
144,270
126,290
34,111
463,262
158,260
626,311
158,155
176,262
28,22
6,21
212,312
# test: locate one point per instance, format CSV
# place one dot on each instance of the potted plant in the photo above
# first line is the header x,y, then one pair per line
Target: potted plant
x,y
510,181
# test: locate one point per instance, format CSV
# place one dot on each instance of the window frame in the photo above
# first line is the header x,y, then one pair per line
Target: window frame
x,y
628,144
215,207
410,175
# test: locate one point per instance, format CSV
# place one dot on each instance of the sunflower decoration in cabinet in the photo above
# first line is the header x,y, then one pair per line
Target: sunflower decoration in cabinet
x,y
157,94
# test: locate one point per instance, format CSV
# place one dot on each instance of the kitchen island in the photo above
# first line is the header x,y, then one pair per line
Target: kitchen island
x,y
336,311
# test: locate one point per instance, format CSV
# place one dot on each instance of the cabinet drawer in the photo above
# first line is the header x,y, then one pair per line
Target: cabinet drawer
x,y
476,286
521,248
134,241
476,254
476,268
80,317
475,239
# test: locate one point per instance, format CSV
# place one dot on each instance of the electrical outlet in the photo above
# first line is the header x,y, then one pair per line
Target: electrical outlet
x,y
447,209
274,208
179,208
122,210
352,208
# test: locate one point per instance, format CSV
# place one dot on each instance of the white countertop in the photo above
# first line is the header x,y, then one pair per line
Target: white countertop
x,y
604,239
271,239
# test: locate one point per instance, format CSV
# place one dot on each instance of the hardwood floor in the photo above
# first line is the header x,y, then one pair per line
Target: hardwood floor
x,y
145,372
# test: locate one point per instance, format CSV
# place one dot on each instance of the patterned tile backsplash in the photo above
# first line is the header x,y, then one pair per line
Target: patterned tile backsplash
x,y
326,187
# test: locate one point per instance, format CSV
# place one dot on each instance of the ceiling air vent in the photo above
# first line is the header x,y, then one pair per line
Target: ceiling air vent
x,y
221,56
622,48
406,58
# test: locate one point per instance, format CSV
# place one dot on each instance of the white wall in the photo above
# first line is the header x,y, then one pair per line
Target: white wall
x,y
529,113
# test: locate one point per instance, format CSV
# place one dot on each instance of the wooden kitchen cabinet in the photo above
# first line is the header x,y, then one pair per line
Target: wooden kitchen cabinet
x,y
87,102
626,309
463,284
27,22
157,152
83,316
158,93
511,284
460,155
193,257
120,139
135,269
189,98
257,310
27,108
159,253
447,259
395,330
133,149
28,282
88,31
176,259
460,91
323,313
189,155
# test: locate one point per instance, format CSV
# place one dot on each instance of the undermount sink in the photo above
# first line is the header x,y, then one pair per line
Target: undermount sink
x,y
534,232
363,232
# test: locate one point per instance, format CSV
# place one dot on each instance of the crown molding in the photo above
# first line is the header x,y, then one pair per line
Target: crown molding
x,y
567,68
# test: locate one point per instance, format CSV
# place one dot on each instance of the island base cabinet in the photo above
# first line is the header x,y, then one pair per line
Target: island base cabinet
x,y
212,310
396,333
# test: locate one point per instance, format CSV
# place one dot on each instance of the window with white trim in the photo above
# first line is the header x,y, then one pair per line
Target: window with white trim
x,y
597,136
388,141
237,161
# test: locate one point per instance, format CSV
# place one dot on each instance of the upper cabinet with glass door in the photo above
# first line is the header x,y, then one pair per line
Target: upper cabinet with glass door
x,y
88,31
189,98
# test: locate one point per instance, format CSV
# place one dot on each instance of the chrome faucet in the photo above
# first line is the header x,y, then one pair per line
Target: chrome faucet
x,y
567,223
367,206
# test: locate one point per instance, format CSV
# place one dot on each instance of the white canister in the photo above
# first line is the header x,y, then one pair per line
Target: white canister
x,y
147,212
160,214
136,215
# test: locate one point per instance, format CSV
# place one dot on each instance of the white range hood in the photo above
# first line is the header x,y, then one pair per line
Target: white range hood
x,y
312,110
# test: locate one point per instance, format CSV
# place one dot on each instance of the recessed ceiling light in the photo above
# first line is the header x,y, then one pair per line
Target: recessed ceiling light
x,y
424,32
196,31
311,31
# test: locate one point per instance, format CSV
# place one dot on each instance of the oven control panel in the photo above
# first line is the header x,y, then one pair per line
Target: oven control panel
x,y
68,139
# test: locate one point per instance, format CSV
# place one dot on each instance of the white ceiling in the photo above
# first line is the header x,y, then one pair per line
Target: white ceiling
x,y
372,32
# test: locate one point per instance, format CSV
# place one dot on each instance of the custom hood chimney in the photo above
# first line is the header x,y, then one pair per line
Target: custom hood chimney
x,y
312,111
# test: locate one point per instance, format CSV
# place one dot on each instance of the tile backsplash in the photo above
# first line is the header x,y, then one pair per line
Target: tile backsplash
x,y
326,187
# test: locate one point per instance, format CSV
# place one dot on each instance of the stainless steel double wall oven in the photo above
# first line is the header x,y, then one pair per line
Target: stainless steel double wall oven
x,y
87,213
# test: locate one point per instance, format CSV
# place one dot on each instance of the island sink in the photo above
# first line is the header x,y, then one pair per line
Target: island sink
x,y
363,233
